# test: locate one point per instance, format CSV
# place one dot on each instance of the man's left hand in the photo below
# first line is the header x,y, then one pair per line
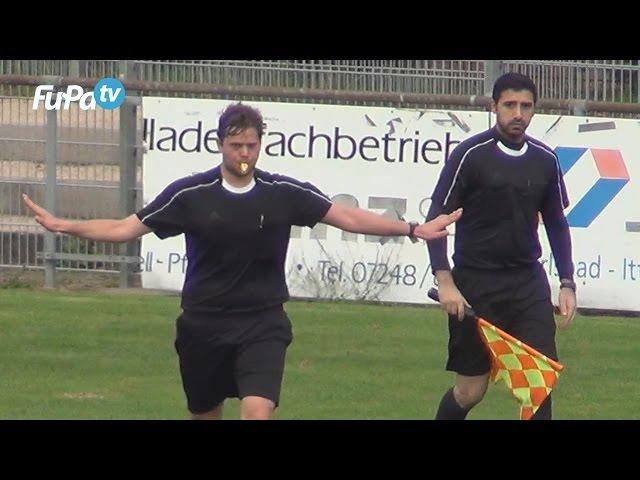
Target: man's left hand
x,y
567,306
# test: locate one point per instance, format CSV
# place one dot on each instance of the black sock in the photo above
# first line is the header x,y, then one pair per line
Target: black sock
x,y
544,412
449,408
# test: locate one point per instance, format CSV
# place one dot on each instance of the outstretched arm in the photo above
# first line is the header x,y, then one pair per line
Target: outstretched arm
x,y
101,230
357,220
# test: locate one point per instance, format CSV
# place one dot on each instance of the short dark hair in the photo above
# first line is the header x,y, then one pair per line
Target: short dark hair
x,y
514,81
236,118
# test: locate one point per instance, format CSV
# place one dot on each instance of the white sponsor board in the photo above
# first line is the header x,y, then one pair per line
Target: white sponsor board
x,y
388,161
602,174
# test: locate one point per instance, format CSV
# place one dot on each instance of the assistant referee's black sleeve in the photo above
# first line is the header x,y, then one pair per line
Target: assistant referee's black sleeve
x,y
555,223
446,198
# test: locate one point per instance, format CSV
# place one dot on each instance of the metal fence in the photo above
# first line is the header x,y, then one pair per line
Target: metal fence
x,y
600,80
91,146
85,182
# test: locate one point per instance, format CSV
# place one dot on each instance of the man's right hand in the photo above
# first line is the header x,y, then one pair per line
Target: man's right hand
x,y
44,218
102,230
451,300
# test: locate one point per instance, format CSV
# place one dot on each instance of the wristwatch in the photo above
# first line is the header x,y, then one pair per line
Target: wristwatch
x,y
566,283
412,228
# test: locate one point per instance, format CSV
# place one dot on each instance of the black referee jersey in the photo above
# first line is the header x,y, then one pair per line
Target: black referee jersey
x,y
236,243
502,188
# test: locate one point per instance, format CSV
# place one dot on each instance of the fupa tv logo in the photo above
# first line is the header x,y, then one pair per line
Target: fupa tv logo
x,y
611,177
108,93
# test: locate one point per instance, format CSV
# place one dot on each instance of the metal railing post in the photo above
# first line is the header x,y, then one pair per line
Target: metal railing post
x,y
127,180
50,195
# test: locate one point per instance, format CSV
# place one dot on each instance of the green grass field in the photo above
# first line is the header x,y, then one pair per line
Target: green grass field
x,y
87,355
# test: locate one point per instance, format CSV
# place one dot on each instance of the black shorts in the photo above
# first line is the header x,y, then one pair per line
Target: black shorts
x,y
231,355
516,300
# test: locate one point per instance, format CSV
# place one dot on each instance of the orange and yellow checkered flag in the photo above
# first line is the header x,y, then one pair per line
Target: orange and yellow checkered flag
x,y
529,375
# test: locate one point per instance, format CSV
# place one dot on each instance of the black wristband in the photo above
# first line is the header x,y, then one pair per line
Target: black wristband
x,y
412,229
566,283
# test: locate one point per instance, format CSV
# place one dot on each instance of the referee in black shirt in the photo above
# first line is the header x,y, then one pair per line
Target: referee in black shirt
x,y
232,335
503,179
